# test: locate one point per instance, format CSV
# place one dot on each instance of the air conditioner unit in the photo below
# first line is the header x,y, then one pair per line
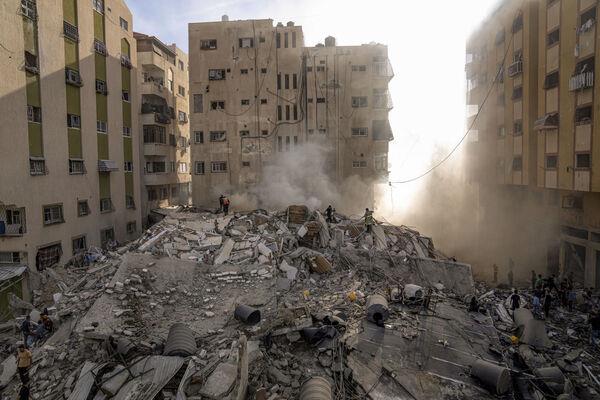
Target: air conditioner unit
x,y
100,47
515,68
73,77
107,166
125,61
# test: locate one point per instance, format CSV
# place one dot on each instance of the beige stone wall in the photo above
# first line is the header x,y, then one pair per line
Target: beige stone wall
x,y
17,186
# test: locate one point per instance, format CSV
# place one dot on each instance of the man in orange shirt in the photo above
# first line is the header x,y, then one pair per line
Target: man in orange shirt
x,y
23,363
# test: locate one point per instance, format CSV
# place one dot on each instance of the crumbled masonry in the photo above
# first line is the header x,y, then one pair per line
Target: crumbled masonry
x,y
283,305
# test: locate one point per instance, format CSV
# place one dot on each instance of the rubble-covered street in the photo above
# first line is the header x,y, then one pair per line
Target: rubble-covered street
x,y
285,305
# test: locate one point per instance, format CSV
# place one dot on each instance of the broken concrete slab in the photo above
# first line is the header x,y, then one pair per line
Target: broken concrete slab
x,y
225,252
220,383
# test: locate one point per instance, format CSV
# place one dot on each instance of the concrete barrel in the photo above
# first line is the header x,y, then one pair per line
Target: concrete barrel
x,y
377,309
496,377
316,388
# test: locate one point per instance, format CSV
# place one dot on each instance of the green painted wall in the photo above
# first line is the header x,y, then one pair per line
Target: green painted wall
x,y
102,146
29,34
70,11
125,48
74,143
36,148
98,26
100,62
33,89
125,78
129,183
71,58
127,149
101,107
126,114
73,104
104,178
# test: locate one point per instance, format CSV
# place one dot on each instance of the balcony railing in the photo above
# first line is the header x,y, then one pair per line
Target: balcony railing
x,y
162,118
582,80
383,101
12,221
383,69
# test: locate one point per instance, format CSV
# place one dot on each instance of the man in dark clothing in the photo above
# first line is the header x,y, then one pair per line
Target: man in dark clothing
x,y
221,197
329,214
533,279
510,277
547,304
473,305
24,392
225,205
26,329
594,321
551,283
515,300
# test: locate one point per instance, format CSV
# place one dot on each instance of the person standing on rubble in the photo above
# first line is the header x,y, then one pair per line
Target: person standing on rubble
x,y
329,214
26,329
24,392
539,283
594,321
515,300
221,197
571,299
533,279
537,304
547,304
225,205
24,359
369,220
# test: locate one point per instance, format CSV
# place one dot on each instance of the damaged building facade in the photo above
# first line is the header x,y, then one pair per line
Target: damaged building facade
x,y
165,134
532,153
256,91
69,129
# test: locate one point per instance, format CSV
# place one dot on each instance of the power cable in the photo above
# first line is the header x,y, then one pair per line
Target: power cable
x,y
443,160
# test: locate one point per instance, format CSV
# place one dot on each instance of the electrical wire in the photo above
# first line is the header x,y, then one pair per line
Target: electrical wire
x,y
443,160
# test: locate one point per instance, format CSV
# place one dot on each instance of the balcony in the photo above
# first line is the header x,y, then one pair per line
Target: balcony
x,y
547,122
153,87
581,81
515,68
382,130
162,118
160,178
12,221
383,69
157,149
383,100
151,60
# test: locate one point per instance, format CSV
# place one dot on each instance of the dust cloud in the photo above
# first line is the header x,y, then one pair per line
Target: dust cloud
x,y
483,223
306,176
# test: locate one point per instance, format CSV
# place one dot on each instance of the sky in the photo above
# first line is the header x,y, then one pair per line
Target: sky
x,y
426,45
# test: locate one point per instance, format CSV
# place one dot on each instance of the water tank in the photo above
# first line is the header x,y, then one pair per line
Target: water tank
x,y
290,23
329,41
225,18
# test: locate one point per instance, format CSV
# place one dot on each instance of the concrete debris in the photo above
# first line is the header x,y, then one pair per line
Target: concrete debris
x,y
324,310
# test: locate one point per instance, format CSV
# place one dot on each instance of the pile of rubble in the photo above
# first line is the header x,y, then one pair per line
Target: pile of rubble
x,y
276,305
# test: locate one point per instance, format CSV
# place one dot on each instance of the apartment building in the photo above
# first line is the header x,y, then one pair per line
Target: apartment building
x,y
163,87
69,129
535,156
257,91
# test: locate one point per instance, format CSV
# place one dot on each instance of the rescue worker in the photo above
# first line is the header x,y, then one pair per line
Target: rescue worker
x,y
369,220
24,360
225,205
329,214
221,197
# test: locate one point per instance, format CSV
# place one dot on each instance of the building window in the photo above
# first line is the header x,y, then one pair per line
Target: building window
x,y
131,227
101,87
181,90
294,39
128,166
155,134
181,66
263,70
295,111
126,131
263,101
198,137
583,115
244,71
551,80
246,43
320,68
79,245
517,163
279,144
278,40
362,131
287,143
28,9
172,141
73,121
208,44
106,205
322,131
286,41
106,236
218,166
279,113
216,74
517,93
218,136
31,63
182,168
553,37
217,105
155,167
359,68
583,161
357,102
309,69
245,163
320,99
123,23
587,19
152,195
70,31
518,128
278,81
517,23
198,103
101,126
83,208
76,167
163,193
129,201
199,168
287,112
100,48
244,133
501,131
359,164
72,77
182,116
172,166
551,162
53,214
294,81
264,132
245,102
37,166
34,114
287,81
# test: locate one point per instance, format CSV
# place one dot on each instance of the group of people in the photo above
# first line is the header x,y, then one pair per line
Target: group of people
x,y
367,218
33,332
